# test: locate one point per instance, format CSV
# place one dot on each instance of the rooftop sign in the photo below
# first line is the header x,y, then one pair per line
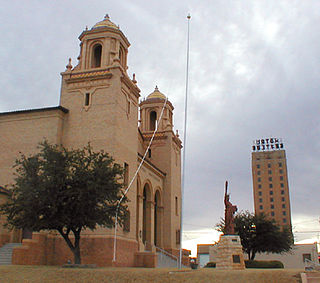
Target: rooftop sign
x,y
267,144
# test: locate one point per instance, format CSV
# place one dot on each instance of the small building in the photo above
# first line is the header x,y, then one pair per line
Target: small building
x,y
296,257
203,254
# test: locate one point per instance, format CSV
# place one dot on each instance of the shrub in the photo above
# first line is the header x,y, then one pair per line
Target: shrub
x,y
193,265
263,264
210,264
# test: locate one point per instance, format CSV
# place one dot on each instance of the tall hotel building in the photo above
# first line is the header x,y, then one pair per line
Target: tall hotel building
x,y
270,180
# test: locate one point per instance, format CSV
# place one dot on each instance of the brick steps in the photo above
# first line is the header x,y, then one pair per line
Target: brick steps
x,y
6,253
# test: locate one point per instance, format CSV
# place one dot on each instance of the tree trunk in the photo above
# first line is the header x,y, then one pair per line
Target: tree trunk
x,y
76,255
75,247
251,255
76,250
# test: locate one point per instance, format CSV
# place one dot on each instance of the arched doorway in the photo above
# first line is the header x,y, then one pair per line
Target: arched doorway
x,y
146,233
157,219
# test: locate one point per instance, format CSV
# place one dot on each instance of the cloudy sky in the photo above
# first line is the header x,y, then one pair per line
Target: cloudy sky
x,y
254,73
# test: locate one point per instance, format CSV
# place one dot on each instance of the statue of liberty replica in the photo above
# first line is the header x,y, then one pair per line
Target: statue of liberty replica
x,y
227,253
230,210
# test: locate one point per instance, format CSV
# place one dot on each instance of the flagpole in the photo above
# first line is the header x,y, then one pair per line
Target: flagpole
x,y
184,143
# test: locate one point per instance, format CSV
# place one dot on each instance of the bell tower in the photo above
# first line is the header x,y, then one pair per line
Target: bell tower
x,y
101,98
165,153
102,46
150,111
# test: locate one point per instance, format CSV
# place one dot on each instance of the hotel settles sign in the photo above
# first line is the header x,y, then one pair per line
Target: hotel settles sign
x,y
267,144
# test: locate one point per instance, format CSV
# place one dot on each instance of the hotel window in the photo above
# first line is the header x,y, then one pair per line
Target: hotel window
x,y
281,178
269,165
259,179
260,193
280,164
270,179
270,185
272,206
260,199
258,172
281,185
271,192
282,192
284,220
272,213
271,199
258,166
283,199
269,172
261,207
283,205
280,171
259,186
284,213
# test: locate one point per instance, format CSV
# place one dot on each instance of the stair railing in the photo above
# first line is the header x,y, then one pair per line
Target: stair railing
x,y
311,265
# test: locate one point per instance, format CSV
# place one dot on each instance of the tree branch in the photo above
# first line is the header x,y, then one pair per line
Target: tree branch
x,y
66,238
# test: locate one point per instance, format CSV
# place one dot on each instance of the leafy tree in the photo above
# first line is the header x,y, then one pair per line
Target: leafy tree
x,y
65,190
259,234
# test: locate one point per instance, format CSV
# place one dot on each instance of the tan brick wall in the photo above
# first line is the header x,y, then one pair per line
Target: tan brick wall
x,y
22,132
46,249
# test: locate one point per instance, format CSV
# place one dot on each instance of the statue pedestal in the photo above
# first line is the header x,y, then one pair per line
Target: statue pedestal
x,y
228,253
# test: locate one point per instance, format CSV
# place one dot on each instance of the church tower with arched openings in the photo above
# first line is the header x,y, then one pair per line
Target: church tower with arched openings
x,y
165,153
103,105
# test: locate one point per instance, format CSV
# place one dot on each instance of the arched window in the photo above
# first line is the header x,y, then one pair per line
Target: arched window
x,y
153,120
121,56
96,56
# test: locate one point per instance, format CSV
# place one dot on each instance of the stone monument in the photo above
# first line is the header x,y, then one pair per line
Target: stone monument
x,y
228,252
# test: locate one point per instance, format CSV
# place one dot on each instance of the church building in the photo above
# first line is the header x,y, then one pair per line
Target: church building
x,y
100,104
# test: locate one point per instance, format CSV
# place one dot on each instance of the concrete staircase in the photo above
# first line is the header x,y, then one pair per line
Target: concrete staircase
x,y
165,260
6,253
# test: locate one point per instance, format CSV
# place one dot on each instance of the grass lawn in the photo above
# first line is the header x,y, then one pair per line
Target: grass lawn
x,y
15,273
